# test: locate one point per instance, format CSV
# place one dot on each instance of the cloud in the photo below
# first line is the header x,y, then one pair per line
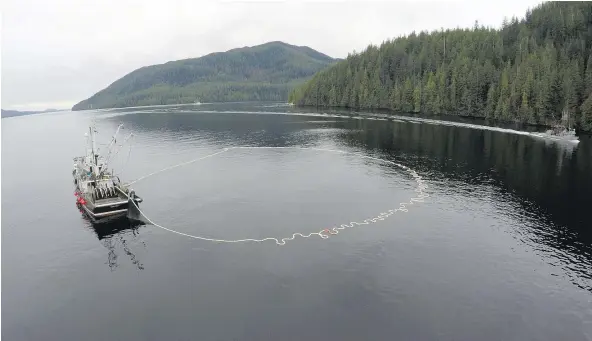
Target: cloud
x,y
63,51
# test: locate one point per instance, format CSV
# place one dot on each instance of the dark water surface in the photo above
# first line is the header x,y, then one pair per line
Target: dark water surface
x,y
501,250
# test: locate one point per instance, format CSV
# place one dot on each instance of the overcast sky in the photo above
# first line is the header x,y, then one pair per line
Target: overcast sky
x,y
58,52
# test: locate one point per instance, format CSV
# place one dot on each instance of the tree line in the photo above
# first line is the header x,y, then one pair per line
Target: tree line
x,y
163,94
532,70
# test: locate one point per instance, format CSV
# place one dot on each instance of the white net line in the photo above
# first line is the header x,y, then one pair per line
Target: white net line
x,y
324,233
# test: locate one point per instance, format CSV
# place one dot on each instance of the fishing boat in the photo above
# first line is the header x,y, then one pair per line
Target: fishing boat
x,y
99,192
559,133
563,132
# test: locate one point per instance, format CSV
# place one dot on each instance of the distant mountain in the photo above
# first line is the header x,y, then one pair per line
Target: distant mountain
x,y
12,113
263,72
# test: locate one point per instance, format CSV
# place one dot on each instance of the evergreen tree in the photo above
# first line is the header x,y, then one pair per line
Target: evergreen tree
x,y
587,113
530,70
417,98
408,98
491,101
588,76
431,95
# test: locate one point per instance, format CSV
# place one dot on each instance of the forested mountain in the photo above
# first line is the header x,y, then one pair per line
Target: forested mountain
x,y
531,70
264,72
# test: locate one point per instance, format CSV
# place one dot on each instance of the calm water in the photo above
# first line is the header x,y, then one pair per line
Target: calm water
x,y
501,250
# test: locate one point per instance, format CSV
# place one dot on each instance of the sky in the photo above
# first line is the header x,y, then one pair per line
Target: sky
x,y
56,53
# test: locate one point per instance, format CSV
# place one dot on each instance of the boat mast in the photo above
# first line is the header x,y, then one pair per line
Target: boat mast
x,y
94,156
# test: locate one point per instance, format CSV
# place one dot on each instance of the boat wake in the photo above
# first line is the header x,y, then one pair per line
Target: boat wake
x,y
364,116
484,127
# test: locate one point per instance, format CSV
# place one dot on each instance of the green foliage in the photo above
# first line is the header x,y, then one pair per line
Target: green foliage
x,y
530,70
588,76
417,99
264,72
587,114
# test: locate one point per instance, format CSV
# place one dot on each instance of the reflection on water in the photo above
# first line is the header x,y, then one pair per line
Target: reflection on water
x,y
541,183
500,250
114,234
546,186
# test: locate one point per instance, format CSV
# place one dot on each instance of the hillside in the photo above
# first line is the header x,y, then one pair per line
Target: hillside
x,y
531,70
264,72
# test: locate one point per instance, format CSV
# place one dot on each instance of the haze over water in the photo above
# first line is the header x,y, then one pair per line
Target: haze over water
x,y
501,249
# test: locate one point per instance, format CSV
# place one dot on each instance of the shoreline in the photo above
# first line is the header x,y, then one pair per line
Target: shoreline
x,y
488,121
172,105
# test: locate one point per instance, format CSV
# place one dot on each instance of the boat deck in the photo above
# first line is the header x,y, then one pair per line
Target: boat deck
x,y
110,201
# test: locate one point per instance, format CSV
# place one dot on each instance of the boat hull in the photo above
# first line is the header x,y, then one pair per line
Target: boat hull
x,y
109,215
568,139
120,206
113,212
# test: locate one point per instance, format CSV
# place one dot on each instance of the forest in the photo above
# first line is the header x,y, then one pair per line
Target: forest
x,y
532,70
266,72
